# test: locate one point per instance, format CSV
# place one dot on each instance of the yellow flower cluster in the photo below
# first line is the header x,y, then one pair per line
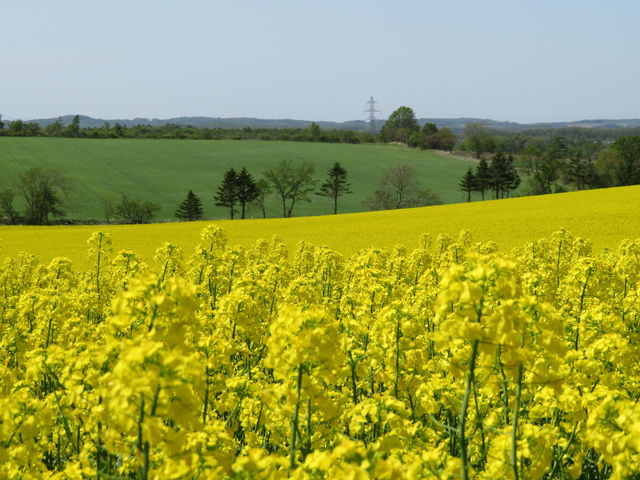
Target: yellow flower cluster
x,y
448,361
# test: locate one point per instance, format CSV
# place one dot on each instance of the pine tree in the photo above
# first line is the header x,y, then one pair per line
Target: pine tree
x,y
190,209
247,190
227,195
468,183
335,185
483,177
512,179
498,169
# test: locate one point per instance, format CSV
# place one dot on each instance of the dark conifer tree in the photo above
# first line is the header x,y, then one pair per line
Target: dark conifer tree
x,y
190,209
246,189
468,183
227,195
335,185
512,179
483,177
498,169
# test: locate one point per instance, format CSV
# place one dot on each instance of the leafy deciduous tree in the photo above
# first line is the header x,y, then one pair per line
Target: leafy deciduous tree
x,y
291,182
400,125
477,138
73,129
6,205
44,191
629,150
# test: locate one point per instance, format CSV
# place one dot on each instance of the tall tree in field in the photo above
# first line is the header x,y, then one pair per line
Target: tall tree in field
x,y
444,139
512,179
133,210
259,203
483,177
246,190
498,169
335,185
400,125
477,138
291,182
629,150
44,191
108,206
73,130
468,183
400,188
580,171
190,209
6,206
227,195
504,176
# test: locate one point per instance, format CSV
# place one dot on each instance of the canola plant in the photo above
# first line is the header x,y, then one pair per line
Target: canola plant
x,y
448,361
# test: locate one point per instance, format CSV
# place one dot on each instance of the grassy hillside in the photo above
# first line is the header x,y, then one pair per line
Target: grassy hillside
x,y
603,216
162,171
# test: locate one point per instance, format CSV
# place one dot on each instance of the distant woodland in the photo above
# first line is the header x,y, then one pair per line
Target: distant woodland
x,y
507,161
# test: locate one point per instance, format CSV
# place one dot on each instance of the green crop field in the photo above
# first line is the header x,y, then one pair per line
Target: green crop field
x,y
162,171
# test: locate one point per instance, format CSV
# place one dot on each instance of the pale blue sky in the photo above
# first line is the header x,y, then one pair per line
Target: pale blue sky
x,y
518,60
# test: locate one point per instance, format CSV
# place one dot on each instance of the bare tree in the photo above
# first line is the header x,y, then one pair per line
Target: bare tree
x,y
108,204
132,210
400,188
291,182
477,138
259,203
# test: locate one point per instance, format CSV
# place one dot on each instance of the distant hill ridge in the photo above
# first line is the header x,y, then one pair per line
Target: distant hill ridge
x,y
456,124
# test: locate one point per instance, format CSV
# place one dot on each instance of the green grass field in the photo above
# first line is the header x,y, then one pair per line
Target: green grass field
x,y
605,217
162,171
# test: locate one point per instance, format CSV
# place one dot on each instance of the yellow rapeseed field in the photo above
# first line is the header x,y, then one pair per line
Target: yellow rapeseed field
x,y
604,216
450,361
409,346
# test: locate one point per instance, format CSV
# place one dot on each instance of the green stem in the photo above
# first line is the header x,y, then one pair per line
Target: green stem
x,y
98,265
397,363
514,426
143,447
584,291
294,422
354,385
463,411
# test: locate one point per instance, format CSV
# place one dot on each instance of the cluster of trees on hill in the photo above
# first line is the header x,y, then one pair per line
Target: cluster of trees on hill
x,y
402,126
557,166
499,176
292,183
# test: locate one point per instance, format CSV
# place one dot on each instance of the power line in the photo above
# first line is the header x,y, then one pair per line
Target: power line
x,y
372,115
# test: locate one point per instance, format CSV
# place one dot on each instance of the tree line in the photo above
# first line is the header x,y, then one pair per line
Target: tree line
x,y
19,128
